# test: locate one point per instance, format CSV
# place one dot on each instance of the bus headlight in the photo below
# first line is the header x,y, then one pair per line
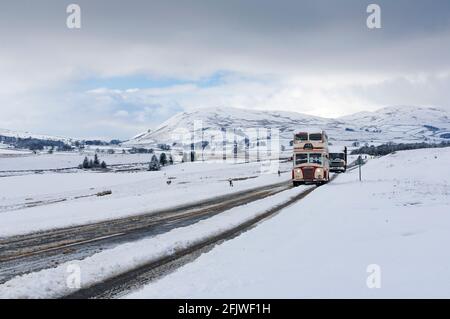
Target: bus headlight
x,y
298,173
319,173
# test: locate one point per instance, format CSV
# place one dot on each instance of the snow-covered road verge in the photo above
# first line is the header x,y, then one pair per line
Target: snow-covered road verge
x,y
384,237
132,194
52,283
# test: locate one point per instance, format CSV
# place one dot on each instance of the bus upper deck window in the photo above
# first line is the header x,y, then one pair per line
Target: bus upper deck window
x,y
315,137
301,137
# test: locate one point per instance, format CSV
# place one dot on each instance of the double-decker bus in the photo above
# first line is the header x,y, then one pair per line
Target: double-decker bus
x,y
311,158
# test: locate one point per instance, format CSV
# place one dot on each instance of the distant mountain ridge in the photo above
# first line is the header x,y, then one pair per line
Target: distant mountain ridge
x,y
389,124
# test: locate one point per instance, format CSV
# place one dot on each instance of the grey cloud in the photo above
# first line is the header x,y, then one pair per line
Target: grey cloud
x,y
292,43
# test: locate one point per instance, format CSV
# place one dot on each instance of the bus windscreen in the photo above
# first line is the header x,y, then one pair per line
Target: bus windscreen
x,y
301,159
315,158
336,156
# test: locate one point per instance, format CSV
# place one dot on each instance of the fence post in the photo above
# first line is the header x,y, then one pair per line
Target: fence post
x,y
359,164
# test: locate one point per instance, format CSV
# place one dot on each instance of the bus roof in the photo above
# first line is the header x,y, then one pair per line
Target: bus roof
x,y
336,149
309,130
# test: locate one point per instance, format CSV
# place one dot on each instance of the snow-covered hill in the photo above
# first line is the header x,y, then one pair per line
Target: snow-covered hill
x,y
234,120
16,134
390,124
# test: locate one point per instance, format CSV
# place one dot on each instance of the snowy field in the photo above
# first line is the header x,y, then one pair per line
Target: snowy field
x,y
9,152
61,160
43,201
396,219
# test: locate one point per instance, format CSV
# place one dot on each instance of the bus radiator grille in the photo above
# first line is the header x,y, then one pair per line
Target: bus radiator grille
x,y
308,173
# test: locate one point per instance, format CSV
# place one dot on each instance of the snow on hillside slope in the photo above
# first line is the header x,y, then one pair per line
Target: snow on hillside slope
x,y
16,134
397,219
232,119
400,115
397,124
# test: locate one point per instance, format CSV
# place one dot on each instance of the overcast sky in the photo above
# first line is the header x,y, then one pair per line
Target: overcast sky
x,y
135,63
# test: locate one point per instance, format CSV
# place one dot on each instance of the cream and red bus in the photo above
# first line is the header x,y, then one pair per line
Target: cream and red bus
x,y
311,158
313,139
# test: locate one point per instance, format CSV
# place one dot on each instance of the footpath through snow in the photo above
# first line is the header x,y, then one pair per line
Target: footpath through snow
x,y
395,222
